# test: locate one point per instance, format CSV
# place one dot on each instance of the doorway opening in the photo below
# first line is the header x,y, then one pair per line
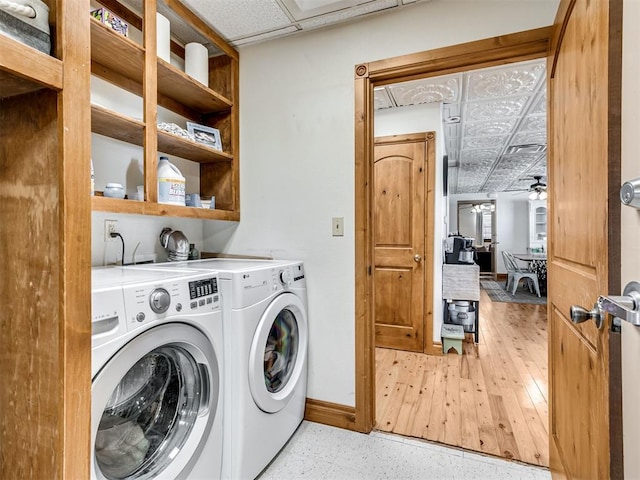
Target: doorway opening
x,y
477,220
450,372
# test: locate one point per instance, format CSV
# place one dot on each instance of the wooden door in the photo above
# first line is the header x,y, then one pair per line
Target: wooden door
x,y
584,230
399,230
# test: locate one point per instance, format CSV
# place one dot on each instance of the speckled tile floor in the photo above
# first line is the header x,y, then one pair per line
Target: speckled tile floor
x,y
320,452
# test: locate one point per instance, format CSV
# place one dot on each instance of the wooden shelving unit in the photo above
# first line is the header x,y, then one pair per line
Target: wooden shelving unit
x,y
181,147
45,147
45,144
24,69
138,70
111,124
116,53
180,87
106,204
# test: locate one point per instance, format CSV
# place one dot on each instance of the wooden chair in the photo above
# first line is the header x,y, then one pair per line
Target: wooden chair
x,y
515,273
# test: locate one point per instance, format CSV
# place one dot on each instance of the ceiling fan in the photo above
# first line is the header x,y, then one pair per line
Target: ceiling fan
x,y
538,190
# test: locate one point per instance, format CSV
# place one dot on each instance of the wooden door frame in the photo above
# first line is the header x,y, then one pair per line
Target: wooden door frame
x,y
516,47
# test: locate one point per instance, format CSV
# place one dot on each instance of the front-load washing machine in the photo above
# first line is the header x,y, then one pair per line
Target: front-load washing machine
x,y
266,338
157,376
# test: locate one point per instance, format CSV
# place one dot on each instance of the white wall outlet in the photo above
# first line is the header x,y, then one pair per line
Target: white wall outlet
x,y
337,226
109,228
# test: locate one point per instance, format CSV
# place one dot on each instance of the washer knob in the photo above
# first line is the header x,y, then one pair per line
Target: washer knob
x,y
159,300
285,277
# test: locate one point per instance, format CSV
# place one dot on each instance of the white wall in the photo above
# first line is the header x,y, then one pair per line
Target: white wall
x,y
630,234
297,153
512,221
141,236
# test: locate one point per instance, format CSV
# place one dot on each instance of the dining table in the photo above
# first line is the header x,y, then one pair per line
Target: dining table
x,y
537,262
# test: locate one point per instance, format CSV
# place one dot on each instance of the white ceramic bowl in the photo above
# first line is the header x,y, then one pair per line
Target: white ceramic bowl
x,y
114,190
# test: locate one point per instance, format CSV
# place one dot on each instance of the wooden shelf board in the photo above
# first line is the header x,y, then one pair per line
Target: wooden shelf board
x,y
114,125
24,69
177,85
181,147
116,52
114,205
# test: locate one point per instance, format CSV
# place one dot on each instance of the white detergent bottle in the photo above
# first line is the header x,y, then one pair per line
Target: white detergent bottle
x,y
171,183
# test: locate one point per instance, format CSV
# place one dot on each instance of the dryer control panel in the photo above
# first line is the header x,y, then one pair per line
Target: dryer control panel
x,y
170,299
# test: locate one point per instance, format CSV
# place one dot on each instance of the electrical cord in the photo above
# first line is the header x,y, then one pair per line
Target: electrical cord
x,y
115,234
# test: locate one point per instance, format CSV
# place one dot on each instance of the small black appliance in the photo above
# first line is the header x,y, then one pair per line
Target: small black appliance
x,y
459,249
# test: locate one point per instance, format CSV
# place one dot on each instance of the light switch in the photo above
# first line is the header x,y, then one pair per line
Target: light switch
x,y
337,226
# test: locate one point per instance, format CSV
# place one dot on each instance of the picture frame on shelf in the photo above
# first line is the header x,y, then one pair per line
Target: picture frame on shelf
x,y
205,135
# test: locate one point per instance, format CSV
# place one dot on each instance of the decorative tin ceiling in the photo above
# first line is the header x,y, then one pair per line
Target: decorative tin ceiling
x,y
494,123
242,22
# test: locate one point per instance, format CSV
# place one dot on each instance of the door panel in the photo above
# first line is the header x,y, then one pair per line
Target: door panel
x,y
393,285
399,229
582,165
393,179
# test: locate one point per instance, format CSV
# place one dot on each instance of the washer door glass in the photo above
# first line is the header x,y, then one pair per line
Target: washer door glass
x,y
278,353
281,351
148,418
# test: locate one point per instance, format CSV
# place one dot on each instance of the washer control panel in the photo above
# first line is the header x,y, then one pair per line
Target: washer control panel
x,y
203,292
171,299
160,300
287,276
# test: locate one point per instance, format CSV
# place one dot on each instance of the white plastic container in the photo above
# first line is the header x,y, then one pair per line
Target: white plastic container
x,y
171,183
196,62
163,34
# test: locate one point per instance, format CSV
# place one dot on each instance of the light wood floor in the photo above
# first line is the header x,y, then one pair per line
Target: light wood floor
x,y
492,399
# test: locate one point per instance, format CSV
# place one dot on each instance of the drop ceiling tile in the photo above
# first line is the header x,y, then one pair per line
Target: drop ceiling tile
x,y
489,128
265,36
302,9
540,168
511,162
427,90
525,138
478,156
495,185
539,104
521,185
503,81
347,14
493,141
241,18
495,109
533,123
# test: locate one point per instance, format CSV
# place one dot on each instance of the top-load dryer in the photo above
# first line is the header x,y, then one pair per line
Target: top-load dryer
x,y
157,376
